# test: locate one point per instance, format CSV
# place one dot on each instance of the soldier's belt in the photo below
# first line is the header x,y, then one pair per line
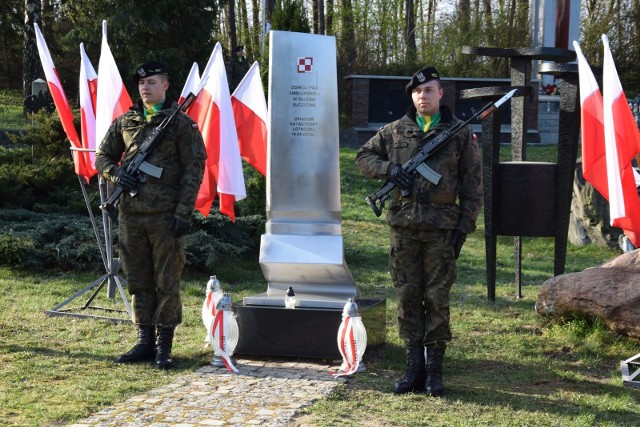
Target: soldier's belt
x,y
428,197
166,178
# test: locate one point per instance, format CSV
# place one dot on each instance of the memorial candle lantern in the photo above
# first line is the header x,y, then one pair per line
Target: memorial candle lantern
x,y
225,333
213,295
352,340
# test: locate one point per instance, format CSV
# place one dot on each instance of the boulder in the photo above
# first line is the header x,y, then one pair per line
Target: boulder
x,y
589,219
610,292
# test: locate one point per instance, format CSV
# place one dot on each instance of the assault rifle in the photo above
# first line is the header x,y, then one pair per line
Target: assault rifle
x,y
416,163
138,167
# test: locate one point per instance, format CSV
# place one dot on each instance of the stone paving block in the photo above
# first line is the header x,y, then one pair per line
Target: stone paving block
x,y
268,393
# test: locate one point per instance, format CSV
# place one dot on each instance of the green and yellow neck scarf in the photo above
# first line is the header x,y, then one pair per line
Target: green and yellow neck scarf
x,y
428,122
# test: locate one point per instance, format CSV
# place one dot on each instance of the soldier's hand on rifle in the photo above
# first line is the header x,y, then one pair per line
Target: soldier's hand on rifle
x,y
400,177
179,227
124,180
457,240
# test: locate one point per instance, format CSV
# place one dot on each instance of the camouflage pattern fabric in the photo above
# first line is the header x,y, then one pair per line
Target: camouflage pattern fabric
x,y
421,259
423,269
151,255
146,241
458,162
180,153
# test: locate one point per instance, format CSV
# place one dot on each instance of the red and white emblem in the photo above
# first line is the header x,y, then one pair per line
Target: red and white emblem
x,y
305,64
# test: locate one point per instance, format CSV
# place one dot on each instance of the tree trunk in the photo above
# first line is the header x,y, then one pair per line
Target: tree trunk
x,y
320,16
244,25
410,31
348,45
231,25
31,61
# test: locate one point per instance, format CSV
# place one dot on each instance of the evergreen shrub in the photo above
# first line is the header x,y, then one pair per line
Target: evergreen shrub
x,y
44,221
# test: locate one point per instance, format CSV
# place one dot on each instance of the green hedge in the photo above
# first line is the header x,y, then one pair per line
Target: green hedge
x,y
37,241
44,221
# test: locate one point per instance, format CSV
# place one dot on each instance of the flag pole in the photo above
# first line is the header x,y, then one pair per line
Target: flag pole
x,y
111,278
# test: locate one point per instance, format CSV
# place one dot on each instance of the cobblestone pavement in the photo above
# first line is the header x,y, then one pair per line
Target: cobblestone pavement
x,y
263,393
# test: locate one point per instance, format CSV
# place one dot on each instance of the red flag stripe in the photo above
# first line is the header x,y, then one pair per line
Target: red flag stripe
x,y
252,136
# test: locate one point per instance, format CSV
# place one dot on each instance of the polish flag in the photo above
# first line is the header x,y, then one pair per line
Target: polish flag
x,y
62,105
594,162
113,99
191,84
609,142
88,94
250,112
213,112
622,144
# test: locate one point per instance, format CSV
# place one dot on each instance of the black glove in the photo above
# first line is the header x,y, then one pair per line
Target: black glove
x,y
179,227
399,176
124,180
457,240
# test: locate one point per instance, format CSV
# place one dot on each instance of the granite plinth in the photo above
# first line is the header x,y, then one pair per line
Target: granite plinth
x,y
303,332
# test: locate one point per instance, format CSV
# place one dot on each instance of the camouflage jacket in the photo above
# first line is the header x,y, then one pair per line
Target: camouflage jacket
x,y
428,207
180,152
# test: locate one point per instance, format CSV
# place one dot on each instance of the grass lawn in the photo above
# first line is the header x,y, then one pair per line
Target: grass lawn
x,y
506,366
11,110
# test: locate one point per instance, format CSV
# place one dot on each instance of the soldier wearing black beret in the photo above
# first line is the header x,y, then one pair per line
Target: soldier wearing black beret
x,y
428,226
152,224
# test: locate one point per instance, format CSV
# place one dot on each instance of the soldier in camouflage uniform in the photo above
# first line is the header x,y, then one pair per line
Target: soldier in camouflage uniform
x,y
427,227
152,224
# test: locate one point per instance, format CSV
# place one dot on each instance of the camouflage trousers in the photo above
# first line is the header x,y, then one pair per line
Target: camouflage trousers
x,y
423,268
152,259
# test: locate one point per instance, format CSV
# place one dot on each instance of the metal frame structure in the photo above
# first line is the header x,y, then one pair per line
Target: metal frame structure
x,y
111,278
630,369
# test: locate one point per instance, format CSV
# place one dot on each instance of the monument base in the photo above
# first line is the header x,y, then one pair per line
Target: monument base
x,y
303,332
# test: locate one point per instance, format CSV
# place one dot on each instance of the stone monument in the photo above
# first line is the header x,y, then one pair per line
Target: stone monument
x,y
302,250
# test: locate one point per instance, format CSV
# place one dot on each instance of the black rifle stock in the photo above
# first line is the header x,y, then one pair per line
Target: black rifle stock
x,y
416,163
137,166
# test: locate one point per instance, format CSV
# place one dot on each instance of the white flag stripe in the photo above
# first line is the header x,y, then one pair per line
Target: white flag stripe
x,y
109,88
612,89
230,177
588,83
249,88
192,82
87,73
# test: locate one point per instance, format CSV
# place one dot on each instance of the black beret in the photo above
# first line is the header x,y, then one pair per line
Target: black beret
x,y
422,76
240,48
150,68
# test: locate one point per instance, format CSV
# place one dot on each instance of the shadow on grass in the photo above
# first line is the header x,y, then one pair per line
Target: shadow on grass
x,y
526,389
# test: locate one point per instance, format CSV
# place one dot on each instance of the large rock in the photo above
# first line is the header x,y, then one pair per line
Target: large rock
x,y
589,220
610,292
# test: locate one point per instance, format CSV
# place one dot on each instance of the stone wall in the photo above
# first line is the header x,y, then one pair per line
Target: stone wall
x,y
371,101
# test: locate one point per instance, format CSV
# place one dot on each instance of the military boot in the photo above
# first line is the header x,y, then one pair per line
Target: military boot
x,y
144,349
164,360
414,375
433,385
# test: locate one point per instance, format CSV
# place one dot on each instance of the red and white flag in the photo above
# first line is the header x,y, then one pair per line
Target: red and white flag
x,y
213,112
609,142
594,162
622,142
191,84
250,112
113,99
88,83
62,105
